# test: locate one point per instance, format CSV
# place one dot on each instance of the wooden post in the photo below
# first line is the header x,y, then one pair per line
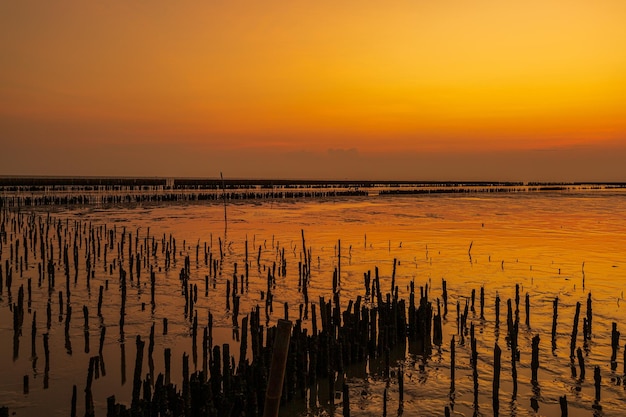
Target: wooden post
x,y
47,360
527,310
535,358
474,363
581,363
574,330
614,345
277,369
589,316
497,353
563,403
497,310
100,301
624,360
339,262
555,308
73,410
400,391
167,353
346,400
137,374
445,298
384,403
597,379
482,303
452,360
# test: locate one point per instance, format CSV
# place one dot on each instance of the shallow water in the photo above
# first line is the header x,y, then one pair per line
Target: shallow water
x,y
561,244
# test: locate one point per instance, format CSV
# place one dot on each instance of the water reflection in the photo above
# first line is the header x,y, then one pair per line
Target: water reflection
x,y
541,251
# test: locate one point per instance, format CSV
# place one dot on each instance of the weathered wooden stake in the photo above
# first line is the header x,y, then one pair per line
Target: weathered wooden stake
x,y
137,374
497,310
497,354
563,404
277,369
527,310
581,363
482,303
574,330
589,317
168,358
614,344
535,358
445,298
400,391
73,410
385,403
597,379
452,364
346,400
555,308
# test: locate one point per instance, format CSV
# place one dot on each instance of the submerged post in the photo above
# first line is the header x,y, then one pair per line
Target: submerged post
x,y
277,369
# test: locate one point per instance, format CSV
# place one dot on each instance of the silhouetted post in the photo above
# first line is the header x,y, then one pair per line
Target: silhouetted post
x,y
563,403
277,369
581,363
123,362
589,316
33,333
452,364
445,298
624,360
497,310
574,330
497,354
482,303
152,289
205,355
73,410
535,358
167,353
474,363
527,310
597,379
400,391
137,374
103,331
100,301
614,345
186,387
47,361
346,400
384,403
339,262
555,308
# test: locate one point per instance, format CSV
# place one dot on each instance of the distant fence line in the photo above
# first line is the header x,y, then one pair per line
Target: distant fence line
x,y
42,191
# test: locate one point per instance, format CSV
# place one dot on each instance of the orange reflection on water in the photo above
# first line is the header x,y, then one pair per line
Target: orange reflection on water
x,y
563,245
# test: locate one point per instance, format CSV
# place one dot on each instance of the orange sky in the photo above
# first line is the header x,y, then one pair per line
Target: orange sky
x,y
241,83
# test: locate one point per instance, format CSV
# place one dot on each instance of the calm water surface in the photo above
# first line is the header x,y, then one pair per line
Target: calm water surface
x,y
563,245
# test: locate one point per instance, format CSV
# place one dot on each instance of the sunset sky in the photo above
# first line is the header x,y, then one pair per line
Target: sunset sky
x,y
413,89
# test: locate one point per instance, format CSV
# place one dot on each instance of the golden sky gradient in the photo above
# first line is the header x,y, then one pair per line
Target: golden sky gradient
x,y
439,81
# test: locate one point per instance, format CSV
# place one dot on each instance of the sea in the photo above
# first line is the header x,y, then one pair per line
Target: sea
x,y
533,245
